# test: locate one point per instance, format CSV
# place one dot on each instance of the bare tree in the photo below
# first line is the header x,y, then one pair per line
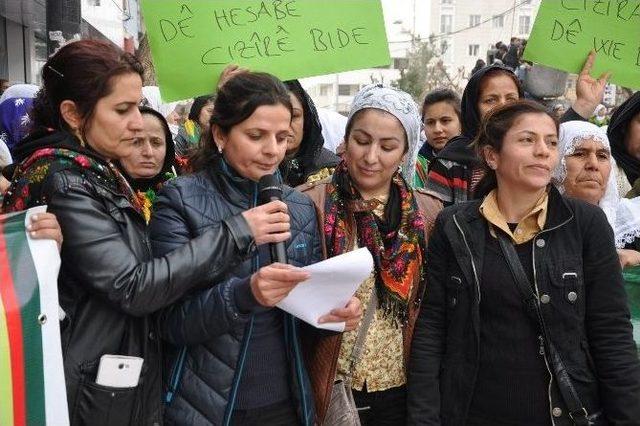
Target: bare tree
x,y
425,70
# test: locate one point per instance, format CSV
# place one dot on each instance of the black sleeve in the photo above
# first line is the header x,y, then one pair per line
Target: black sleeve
x,y
106,264
571,115
427,348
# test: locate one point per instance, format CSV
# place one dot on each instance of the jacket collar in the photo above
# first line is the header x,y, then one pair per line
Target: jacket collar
x,y
558,210
236,189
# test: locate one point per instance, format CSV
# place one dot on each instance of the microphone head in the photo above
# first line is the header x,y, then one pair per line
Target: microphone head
x,y
269,188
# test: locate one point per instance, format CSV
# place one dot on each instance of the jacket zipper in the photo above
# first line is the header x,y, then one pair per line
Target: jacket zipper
x,y
535,284
245,345
305,409
473,264
175,377
475,276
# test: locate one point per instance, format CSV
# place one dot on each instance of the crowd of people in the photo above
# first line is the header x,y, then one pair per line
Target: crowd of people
x,y
507,307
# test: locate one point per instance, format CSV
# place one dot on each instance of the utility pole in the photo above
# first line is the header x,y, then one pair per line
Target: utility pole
x,y
63,23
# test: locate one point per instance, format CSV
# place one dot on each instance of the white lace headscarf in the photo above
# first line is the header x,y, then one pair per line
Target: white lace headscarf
x,y
623,214
402,106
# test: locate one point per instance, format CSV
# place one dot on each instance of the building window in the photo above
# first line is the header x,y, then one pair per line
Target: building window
x,y
446,23
524,25
498,21
325,89
474,49
474,20
348,89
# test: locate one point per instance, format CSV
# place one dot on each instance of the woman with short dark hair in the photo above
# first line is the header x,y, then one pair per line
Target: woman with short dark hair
x,y
235,357
525,319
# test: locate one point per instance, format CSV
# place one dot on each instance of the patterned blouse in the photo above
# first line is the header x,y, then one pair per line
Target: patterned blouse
x,y
381,365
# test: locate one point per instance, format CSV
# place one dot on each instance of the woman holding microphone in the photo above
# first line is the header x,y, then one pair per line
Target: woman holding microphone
x,y
236,358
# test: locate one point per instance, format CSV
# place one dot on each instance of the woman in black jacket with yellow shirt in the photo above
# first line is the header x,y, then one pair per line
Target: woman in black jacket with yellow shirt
x,y
478,356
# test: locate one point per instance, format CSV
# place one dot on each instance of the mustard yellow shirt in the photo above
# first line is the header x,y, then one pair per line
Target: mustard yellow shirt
x,y
527,228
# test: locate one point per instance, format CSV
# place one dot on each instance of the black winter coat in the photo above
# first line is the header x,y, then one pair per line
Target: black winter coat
x,y
592,334
208,333
109,284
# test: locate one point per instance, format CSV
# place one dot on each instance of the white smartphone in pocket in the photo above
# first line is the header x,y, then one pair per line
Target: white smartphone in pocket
x,y
119,371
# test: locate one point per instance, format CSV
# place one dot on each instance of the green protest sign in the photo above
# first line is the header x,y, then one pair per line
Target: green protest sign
x,y
566,30
193,40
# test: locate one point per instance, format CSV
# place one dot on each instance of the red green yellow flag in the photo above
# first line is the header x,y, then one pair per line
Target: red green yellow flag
x,y
31,371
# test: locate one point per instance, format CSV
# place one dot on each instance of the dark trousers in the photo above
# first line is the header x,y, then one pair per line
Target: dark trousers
x,y
383,408
280,414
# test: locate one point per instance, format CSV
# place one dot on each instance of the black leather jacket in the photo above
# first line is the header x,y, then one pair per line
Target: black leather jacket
x,y
207,331
109,284
574,253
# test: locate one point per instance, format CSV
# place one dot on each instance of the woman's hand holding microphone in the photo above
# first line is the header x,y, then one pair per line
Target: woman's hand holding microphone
x,y
270,223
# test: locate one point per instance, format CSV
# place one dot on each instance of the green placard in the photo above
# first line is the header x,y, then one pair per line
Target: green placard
x,y
192,41
566,30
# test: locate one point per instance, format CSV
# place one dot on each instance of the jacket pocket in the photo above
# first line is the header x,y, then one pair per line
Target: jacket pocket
x,y
98,405
567,285
454,289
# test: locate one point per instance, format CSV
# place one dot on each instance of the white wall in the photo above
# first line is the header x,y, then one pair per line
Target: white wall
x,y
16,52
107,17
483,35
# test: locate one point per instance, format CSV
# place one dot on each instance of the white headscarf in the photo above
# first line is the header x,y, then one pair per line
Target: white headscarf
x,y
20,91
154,100
402,106
623,214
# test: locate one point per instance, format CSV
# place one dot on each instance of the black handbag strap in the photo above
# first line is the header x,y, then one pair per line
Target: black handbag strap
x,y
577,412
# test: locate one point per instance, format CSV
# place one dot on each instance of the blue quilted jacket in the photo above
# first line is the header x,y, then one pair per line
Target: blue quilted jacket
x,y
207,336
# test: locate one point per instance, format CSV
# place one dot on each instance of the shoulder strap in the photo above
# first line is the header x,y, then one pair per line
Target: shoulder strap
x,y
358,346
577,412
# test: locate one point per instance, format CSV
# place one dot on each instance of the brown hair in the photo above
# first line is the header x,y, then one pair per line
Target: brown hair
x,y
236,101
82,72
443,95
492,131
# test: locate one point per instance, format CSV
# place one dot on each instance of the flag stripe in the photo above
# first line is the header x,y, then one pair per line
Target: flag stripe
x,y
28,295
6,401
14,326
47,264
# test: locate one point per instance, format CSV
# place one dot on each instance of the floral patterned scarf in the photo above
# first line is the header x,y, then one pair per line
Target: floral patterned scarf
x,y
398,253
30,176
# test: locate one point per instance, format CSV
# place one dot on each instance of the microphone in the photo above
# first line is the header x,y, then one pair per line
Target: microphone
x,y
269,189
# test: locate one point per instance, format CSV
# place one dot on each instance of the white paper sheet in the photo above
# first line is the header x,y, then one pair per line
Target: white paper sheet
x,y
332,283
